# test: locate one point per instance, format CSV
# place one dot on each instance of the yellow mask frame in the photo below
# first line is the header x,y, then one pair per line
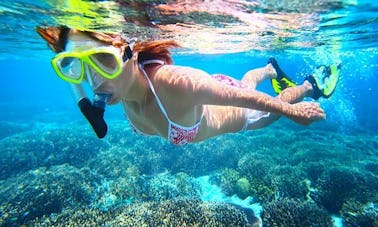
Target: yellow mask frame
x,y
106,61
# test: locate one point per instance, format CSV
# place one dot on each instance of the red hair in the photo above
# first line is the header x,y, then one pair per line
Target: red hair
x,y
148,50
56,37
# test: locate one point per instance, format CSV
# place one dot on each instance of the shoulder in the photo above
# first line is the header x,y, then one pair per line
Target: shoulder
x,y
179,77
176,71
181,82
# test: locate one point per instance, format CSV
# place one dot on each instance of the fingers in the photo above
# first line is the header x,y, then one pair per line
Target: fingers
x,y
309,112
318,111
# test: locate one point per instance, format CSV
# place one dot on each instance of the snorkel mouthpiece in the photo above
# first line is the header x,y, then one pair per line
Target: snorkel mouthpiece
x,y
95,113
100,100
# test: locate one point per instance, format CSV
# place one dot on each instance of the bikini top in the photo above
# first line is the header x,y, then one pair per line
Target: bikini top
x,y
177,134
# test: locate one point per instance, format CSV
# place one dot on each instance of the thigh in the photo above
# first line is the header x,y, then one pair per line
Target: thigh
x,y
256,119
222,119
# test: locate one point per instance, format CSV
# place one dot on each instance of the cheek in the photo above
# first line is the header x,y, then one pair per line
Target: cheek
x,y
119,85
128,68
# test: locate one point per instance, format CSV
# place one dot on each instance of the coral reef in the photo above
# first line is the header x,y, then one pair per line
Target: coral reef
x,y
114,193
44,191
242,188
355,213
338,185
30,150
288,182
226,178
173,212
293,212
67,176
195,159
164,187
262,191
255,166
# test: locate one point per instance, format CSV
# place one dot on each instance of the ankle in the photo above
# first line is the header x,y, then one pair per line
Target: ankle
x,y
270,71
309,89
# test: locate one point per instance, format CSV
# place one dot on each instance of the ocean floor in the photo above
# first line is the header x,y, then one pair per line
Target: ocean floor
x,y
284,175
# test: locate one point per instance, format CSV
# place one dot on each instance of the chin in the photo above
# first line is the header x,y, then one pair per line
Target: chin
x,y
113,101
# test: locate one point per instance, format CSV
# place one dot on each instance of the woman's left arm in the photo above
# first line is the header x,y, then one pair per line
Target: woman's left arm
x,y
204,90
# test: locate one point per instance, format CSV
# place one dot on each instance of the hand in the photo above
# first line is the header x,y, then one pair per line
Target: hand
x,y
307,112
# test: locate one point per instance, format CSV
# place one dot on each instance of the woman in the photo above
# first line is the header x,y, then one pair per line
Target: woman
x,y
181,104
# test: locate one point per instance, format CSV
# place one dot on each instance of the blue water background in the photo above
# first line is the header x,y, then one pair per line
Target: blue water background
x,y
31,92
44,136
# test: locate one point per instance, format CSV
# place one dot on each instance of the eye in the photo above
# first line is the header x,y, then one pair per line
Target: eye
x,y
105,59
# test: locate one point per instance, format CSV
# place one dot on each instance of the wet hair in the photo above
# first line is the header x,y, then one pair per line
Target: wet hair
x,y
155,50
63,36
57,38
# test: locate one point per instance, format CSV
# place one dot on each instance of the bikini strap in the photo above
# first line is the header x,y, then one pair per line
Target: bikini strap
x,y
152,61
160,104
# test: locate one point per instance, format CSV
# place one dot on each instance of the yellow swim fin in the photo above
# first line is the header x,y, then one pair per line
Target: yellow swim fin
x,y
324,80
282,81
280,84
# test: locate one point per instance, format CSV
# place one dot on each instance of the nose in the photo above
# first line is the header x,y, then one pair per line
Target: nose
x,y
94,79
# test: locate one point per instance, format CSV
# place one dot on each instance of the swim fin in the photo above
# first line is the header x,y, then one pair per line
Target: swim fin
x,y
282,81
324,80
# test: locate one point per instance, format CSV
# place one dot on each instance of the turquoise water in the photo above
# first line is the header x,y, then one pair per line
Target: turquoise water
x,y
53,170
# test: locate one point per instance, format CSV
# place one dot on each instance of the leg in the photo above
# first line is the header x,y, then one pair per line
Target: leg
x,y
297,93
290,95
255,76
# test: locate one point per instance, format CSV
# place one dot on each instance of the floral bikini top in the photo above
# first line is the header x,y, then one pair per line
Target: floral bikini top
x,y
177,134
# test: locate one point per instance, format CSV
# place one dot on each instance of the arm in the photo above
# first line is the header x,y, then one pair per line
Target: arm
x,y
202,89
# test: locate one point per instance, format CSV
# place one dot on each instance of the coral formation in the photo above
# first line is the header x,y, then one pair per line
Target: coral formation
x,y
255,166
164,187
262,191
173,212
338,185
30,150
355,213
242,188
125,179
288,182
293,212
226,178
44,191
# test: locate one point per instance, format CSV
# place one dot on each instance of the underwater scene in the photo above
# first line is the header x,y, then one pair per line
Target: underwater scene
x,y
54,171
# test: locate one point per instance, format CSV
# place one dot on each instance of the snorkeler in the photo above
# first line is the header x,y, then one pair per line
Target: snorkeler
x,y
181,104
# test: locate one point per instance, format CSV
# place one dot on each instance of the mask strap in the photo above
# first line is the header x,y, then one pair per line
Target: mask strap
x,y
128,54
128,51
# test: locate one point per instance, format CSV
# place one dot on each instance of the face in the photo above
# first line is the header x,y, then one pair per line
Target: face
x,y
116,87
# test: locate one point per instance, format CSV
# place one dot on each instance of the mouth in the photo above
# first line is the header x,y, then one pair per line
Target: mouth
x,y
113,100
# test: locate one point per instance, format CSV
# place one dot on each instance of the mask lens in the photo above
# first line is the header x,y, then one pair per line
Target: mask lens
x,y
70,67
107,62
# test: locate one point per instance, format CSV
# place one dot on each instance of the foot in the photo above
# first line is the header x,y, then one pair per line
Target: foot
x,y
270,71
324,80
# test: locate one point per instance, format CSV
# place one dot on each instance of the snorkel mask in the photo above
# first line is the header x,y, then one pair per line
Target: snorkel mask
x,y
74,66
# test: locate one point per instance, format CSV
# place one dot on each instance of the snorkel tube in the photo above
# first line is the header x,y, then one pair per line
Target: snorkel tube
x,y
93,112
